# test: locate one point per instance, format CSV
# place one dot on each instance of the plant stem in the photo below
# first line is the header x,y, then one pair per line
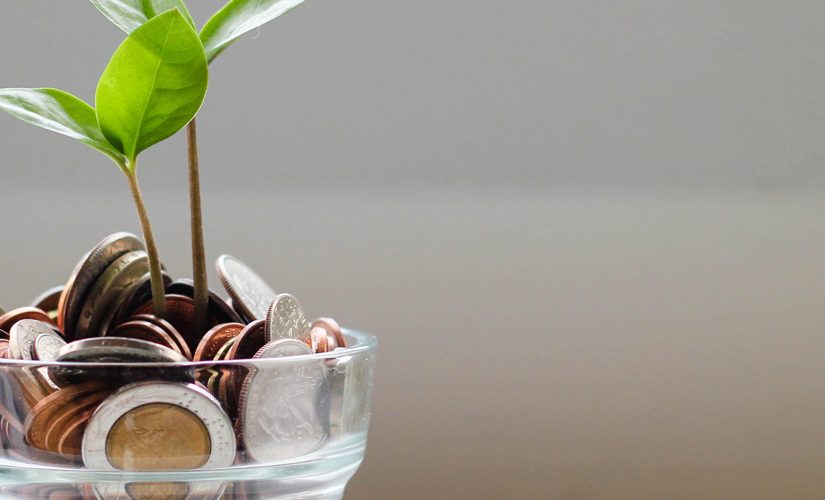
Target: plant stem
x,y
158,293
201,295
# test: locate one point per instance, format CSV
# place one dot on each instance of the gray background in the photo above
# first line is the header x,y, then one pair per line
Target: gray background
x,y
589,234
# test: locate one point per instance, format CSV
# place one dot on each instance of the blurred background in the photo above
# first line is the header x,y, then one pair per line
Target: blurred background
x,y
589,234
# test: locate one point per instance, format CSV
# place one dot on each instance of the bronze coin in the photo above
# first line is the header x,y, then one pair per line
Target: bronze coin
x,y
10,318
249,341
4,348
36,424
64,416
48,300
332,328
143,330
224,350
71,440
180,312
169,329
214,339
318,339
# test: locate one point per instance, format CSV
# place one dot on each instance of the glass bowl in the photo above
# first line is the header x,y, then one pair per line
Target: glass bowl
x,y
282,427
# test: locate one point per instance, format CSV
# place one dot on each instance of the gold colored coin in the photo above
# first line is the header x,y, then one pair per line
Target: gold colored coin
x,y
158,436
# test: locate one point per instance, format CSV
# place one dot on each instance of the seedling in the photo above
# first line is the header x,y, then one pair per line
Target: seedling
x,y
152,87
235,19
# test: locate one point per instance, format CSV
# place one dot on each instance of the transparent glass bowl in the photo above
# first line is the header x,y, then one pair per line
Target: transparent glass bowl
x,y
297,427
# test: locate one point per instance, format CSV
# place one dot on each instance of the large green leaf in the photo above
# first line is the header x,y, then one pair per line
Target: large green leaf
x,y
153,86
59,112
239,17
129,15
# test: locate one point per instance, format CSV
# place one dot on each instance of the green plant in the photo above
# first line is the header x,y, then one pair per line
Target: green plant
x,y
152,87
235,19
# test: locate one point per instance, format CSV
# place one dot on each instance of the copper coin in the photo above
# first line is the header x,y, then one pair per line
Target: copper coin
x,y
64,416
224,350
180,312
71,440
10,318
4,348
143,330
169,329
332,328
48,300
87,271
4,335
216,338
217,306
36,424
250,340
318,339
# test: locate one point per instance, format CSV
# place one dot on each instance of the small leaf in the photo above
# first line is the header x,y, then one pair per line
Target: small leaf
x,y
239,17
129,15
153,86
59,112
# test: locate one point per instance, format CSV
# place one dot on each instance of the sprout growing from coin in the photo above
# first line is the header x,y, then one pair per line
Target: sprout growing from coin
x,y
152,87
235,19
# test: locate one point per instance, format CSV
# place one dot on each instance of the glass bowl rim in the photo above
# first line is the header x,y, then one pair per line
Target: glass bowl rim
x,y
364,342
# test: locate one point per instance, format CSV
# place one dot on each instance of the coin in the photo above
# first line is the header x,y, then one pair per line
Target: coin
x,y
143,330
249,341
139,294
214,339
333,329
281,411
64,416
152,426
4,348
87,271
170,330
180,312
218,307
285,319
251,296
117,350
108,350
48,300
125,270
10,318
47,346
318,339
22,337
37,422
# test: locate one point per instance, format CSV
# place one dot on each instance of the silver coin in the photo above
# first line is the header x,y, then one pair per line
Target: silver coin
x,y
284,407
285,319
118,350
47,346
251,295
23,335
103,296
86,272
187,396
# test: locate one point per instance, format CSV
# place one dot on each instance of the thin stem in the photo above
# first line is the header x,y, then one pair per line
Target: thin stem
x,y
201,296
158,294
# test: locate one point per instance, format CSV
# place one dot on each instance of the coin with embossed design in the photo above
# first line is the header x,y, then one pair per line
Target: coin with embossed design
x,y
23,335
47,347
8,320
285,319
159,426
283,406
251,295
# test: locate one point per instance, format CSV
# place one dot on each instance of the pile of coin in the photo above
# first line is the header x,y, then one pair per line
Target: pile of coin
x,y
120,388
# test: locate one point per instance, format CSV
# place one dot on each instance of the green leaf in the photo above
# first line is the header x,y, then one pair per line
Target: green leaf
x,y
59,112
153,86
239,17
129,15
